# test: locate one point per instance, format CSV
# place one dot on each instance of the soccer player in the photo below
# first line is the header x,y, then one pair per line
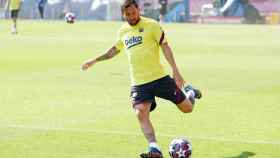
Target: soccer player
x,y
163,9
141,38
14,6
41,5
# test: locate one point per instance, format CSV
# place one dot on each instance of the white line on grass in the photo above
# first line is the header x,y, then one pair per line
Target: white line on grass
x,y
220,139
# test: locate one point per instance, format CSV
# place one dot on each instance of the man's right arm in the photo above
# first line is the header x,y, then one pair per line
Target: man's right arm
x,y
113,51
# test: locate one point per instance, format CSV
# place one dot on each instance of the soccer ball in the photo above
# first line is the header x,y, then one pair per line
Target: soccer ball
x,y
70,18
180,148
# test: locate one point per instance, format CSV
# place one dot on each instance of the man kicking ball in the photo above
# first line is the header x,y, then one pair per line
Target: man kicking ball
x,y
141,38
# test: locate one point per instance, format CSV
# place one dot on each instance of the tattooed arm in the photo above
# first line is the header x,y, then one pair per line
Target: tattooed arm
x,y
108,55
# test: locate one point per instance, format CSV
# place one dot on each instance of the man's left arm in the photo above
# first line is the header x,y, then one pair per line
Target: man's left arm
x,y
170,59
7,5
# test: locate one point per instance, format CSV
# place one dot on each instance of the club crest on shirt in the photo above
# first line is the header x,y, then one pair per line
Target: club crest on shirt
x,y
133,41
141,29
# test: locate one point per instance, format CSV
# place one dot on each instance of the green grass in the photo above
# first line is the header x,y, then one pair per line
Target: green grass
x,y
50,109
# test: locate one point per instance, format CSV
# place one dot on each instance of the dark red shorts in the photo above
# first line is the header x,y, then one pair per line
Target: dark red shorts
x,y
165,88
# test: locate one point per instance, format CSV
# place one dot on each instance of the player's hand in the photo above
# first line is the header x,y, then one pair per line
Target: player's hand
x,y
178,79
88,64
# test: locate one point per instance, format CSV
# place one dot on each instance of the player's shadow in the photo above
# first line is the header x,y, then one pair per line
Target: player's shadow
x,y
244,154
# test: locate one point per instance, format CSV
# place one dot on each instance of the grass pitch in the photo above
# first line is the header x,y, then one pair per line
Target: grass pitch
x,y
50,109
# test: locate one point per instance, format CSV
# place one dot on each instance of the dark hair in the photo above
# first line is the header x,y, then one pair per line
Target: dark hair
x,y
128,3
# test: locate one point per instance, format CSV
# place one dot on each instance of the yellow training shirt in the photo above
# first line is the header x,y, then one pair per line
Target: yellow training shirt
x,y
15,4
142,44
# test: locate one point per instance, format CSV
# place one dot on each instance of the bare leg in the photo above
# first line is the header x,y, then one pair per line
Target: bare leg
x,y
191,93
185,106
14,26
143,114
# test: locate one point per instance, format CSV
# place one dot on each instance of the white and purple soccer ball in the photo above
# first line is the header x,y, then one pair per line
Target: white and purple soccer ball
x,y
70,17
180,148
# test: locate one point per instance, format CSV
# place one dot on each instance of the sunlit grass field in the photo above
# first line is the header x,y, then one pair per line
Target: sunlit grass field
x,y
51,109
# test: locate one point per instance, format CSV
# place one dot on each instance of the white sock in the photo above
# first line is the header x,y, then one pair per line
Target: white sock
x,y
154,145
14,29
190,93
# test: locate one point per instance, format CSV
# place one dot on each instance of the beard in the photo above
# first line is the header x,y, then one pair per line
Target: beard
x,y
133,22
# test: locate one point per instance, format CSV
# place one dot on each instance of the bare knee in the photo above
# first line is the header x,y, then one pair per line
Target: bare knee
x,y
186,106
142,111
187,110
